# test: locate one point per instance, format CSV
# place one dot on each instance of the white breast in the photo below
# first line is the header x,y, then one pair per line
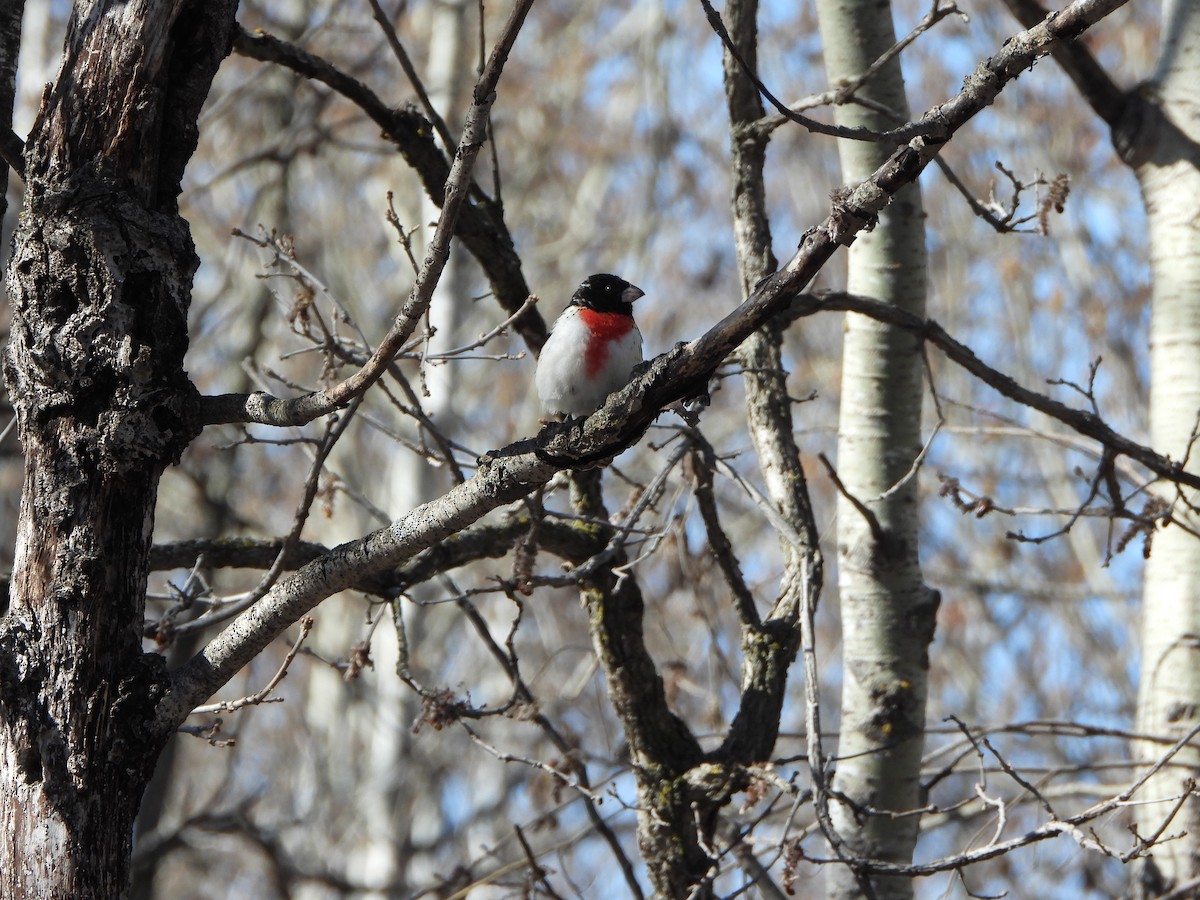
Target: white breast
x,y
562,383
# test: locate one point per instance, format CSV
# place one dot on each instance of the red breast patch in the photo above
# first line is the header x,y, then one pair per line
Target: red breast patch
x,y
603,327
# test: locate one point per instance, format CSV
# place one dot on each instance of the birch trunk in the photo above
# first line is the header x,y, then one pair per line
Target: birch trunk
x,y
383,714
888,614
1169,692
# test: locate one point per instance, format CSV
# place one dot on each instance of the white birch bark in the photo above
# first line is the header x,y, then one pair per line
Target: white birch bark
x,y
385,707
887,612
1169,692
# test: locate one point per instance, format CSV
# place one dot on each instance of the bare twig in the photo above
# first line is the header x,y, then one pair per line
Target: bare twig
x,y
1045,831
846,92
410,72
334,429
703,460
921,128
863,510
1143,844
268,410
482,230
264,695
539,873
487,336
1084,422
509,474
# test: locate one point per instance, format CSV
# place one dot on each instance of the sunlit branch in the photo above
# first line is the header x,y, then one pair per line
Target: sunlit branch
x,y
508,474
1084,422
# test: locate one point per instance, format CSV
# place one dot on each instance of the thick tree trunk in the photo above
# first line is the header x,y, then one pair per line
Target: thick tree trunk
x,y
888,614
100,282
11,14
1169,692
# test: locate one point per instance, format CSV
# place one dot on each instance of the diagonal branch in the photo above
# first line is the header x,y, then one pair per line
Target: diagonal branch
x,y
703,463
12,151
509,474
480,225
1082,421
262,408
1104,95
410,72
1047,830
895,136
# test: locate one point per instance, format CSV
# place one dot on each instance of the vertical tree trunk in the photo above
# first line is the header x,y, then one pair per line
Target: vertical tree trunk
x,y
888,614
1169,692
11,14
768,404
100,282
387,702
674,825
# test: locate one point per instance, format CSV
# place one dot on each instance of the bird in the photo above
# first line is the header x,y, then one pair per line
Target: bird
x,y
592,349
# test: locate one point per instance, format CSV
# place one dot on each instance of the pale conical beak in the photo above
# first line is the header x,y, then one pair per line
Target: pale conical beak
x,y
632,293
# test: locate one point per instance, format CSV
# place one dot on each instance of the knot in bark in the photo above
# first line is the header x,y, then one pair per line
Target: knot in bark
x,y
101,287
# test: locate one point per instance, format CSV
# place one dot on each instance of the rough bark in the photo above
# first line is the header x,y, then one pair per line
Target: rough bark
x,y
672,833
100,282
1167,162
11,13
888,614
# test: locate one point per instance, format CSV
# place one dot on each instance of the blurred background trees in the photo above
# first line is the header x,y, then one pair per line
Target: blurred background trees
x,y
611,152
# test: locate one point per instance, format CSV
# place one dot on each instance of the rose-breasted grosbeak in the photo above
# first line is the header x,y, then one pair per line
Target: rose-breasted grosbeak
x,y
592,348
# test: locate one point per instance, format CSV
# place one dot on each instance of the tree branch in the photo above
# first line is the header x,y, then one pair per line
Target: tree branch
x,y
895,136
1083,421
480,225
410,73
304,409
768,648
1105,97
1050,829
703,462
12,151
661,745
509,474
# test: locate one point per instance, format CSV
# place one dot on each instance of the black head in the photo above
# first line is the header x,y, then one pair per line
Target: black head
x,y
606,293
